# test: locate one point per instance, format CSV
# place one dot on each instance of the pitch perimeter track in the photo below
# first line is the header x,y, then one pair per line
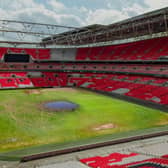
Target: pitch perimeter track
x,y
92,146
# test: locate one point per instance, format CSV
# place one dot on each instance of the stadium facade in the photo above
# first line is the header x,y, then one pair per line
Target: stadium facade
x,y
127,59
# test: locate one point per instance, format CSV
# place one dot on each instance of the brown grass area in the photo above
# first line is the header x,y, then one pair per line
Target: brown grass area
x,y
59,89
39,91
160,123
104,127
33,91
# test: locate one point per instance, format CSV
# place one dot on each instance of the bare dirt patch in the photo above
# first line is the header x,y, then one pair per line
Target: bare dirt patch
x,y
59,89
39,91
104,127
33,91
162,123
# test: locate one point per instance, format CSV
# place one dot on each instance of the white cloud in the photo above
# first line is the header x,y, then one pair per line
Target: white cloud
x,y
57,13
150,5
105,16
29,10
83,9
17,4
134,9
156,4
56,6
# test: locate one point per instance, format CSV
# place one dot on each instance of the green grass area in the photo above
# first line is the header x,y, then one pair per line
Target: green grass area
x,y
24,124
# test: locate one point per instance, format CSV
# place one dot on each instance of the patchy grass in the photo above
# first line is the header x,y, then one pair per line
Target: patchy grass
x,y
24,124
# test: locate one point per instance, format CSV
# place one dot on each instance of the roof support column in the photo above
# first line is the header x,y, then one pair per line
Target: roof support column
x,y
165,21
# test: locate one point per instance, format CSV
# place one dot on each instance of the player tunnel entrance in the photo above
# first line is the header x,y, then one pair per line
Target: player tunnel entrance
x,y
16,58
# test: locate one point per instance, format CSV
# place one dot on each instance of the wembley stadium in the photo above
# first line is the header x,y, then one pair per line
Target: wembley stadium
x,y
93,96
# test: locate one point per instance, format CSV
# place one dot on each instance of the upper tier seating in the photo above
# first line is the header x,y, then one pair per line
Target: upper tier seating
x,y
151,49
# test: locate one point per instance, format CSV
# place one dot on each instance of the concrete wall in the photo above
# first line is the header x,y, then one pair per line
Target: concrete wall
x,y
68,54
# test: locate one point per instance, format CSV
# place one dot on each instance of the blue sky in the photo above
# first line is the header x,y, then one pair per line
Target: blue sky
x,y
76,12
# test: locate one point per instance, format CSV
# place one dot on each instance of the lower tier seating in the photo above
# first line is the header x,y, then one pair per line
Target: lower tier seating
x,y
124,160
152,49
153,89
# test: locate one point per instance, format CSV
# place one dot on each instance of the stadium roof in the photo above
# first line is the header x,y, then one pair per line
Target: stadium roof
x,y
145,24
149,25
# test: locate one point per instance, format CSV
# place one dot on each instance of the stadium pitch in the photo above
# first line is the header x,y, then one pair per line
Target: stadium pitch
x,y
24,123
